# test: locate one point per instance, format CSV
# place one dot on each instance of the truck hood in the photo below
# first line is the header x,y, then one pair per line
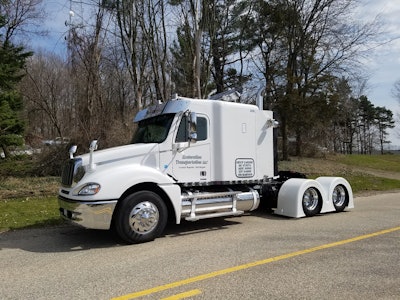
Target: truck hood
x,y
144,154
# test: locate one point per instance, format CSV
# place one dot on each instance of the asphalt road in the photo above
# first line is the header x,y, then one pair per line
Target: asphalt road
x,y
353,255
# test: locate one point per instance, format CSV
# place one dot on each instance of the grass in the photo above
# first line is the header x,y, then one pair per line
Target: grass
x,y
364,172
27,201
22,187
28,212
389,163
367,183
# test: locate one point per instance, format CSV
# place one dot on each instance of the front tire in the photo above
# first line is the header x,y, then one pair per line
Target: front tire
x,y
141,217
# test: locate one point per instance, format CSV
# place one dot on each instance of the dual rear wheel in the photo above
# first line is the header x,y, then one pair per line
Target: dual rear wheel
x,y
340,197
312,200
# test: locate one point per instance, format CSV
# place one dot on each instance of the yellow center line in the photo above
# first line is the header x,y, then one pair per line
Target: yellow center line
x,y
183,295
250,265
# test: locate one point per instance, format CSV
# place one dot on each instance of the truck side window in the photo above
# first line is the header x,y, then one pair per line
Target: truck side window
x,y
201,129
182,136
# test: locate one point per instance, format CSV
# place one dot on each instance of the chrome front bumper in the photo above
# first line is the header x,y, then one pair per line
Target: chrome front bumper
x,y
94,214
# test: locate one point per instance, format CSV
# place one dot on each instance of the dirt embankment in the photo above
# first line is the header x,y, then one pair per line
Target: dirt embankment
x,y
15,187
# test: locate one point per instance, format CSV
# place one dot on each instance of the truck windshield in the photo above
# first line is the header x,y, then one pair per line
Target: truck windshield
x,y
153,130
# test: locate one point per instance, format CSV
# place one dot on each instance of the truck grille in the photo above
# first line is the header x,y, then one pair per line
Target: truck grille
x,y
68,171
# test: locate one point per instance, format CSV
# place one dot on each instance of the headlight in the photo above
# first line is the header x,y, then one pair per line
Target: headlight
x,y
89,189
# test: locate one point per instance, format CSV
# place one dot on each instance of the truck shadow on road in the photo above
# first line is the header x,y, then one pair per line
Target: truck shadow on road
x,y
68,238
65,238
206,225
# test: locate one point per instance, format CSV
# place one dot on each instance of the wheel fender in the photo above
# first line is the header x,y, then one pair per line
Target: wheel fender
x,y
173,192
291,194
329,183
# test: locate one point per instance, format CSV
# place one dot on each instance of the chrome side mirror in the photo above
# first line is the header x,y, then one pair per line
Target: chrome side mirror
x,y
93,145
72,151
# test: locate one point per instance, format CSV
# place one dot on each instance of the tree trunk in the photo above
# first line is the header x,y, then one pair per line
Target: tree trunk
x,y
299,143
283,127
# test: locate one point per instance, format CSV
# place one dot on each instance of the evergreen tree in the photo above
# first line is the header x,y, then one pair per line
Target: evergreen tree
x,y
383,120
223,47
183,55
12,62
366,115
222,24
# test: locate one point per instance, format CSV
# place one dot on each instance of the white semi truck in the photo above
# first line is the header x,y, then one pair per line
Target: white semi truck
x,y
190,159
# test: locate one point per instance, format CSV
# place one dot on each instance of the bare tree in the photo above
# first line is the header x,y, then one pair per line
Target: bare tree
x,y
305,44
46,94
23,18
153,27
396,90
227,44
128,16
191,15
86,42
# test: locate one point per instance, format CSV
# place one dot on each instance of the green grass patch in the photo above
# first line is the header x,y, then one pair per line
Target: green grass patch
x,y
361,182
379,162
364,182
352,168
28,212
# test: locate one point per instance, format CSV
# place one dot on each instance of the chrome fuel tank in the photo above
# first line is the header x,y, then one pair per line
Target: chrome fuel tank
x,y
204,202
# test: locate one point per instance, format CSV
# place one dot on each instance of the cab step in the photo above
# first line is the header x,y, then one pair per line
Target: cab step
x,y
215,215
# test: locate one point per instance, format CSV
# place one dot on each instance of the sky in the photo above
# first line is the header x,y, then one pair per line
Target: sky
x,y
382,64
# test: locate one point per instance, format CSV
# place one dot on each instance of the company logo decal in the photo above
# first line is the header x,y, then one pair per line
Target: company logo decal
x,y
191,161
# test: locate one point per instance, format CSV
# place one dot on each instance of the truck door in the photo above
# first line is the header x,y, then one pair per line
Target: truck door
x,y
192,163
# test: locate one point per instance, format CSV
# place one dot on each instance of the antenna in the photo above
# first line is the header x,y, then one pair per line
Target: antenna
x,y
75,14
74,24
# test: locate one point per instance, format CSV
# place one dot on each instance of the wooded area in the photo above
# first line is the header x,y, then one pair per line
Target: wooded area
x,y
123,55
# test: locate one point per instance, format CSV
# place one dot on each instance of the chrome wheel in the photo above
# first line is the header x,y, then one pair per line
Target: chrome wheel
x,y
310,199
339,197
311,202
141,217
144,217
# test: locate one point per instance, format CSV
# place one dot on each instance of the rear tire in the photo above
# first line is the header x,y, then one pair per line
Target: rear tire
x,y
141,217
340,197
311,201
